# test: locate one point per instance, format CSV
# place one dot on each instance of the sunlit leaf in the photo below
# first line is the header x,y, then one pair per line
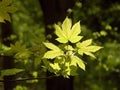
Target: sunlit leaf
x,y
62,40
67,33
89,54
53,52
75,31
55,66
69,47
77,61
66,27
65,71
84,43
85,48
93,48
61,36
75,39
51,46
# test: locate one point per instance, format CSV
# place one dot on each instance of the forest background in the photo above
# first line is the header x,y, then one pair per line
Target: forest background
x,y
31,25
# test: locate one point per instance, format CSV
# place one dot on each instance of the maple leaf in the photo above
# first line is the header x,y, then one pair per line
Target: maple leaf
x,y
53,52
85,48
6,8
77,61
67,32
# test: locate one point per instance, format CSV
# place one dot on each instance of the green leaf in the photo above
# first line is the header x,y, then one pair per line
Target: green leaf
x,y
51,46
85,48
69,48
61,36
84,43
73,70
93,48
18,87
19,50
18,47
53,52
55,66
66,71
77,61
75,31
6,7
67,32
66,26
52,67
89,54
8,72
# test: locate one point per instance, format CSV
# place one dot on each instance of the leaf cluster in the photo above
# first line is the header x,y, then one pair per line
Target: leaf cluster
x,y
63,59
66,56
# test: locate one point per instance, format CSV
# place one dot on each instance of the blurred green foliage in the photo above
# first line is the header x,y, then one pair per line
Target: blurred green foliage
x,y
99,20
6,7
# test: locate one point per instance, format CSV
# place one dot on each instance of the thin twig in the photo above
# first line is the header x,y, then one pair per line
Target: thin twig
x,y
26,79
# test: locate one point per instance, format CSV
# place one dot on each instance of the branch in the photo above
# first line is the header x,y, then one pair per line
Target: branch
x,y
26,79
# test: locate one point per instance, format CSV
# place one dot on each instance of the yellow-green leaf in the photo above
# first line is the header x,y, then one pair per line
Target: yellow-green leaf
x,y
85,48
55,66
67,33
75,39
75,31
53,52
77,61
61,36
8,72
66,26
93,48
84,43
51,46
62,40
69,47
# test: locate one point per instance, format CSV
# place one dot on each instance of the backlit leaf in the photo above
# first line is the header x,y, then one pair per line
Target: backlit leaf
x,y
61,36
51,46
85,48
75,39
67,33
77,61
62,40
93,48
84,43
69,48
53,52
66,26
75,31
55,66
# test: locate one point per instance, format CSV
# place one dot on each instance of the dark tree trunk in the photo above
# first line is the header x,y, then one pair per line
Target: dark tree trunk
x,y
54,11
7,60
